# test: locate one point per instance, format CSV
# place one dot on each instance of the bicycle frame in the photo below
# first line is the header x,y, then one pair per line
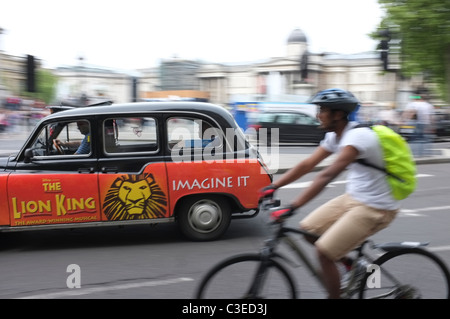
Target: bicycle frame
x,y
358,283
282,235
308,262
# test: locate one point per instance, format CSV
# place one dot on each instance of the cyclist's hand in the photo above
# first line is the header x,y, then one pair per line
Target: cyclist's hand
x,y
282,213
267,192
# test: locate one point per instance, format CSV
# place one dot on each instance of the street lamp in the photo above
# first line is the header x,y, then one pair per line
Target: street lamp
x,y
82,95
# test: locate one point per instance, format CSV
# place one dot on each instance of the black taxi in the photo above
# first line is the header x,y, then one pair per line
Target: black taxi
x,y
133,163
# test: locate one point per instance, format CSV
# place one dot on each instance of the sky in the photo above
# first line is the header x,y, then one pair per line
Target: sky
x,y
136,34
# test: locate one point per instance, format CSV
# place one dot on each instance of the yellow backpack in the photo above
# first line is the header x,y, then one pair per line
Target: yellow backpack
x,y
400,166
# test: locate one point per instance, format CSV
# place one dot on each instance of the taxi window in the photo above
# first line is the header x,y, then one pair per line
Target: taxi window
x,y
267,117
305,119
63,138
130,135
192,133
286,118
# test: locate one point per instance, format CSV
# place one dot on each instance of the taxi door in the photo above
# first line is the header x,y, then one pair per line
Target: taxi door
x,y
132,171
52,188
52,197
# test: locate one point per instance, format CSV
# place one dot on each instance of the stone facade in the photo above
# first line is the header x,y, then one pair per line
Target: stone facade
x,y
293,77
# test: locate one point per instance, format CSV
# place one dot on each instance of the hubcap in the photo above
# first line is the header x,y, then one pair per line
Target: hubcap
x,y
205,216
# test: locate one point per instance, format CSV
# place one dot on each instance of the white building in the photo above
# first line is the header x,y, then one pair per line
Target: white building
x,y
292,77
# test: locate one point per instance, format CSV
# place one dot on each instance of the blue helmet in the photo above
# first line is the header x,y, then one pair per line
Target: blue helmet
x,y
335,99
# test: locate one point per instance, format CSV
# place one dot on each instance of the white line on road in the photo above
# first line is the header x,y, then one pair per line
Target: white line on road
x,y
332,184
404,212
81,291
439,248
415,212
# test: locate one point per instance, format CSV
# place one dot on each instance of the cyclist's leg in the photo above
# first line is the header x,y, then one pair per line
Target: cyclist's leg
x,y
330,275
357,224
354,226
318,222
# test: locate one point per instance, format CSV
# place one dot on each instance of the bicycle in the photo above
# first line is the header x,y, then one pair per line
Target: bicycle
x,y
393,274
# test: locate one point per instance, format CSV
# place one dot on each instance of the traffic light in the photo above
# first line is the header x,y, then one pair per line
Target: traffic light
x,y
30,74
384,49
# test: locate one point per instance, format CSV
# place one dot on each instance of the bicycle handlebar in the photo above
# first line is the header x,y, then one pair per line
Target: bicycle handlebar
x,y
281,213
276,213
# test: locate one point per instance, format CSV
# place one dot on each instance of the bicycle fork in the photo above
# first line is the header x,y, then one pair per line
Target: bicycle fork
x,y
261,272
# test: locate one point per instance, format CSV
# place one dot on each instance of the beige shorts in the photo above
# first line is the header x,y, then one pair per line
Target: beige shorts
x,y
345,223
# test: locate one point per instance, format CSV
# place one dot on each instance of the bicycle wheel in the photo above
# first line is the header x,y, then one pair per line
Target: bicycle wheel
x,y
234,277
411,273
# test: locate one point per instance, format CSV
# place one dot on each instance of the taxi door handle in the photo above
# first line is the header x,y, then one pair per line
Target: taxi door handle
x,y
111,169
89,170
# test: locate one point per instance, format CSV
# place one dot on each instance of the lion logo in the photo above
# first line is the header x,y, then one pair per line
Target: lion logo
x,y
135,197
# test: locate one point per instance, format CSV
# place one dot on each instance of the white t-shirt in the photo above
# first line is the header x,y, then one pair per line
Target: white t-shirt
x,y
365,184
423,109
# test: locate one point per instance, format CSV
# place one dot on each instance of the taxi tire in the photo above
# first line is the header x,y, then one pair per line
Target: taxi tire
x,y
204,218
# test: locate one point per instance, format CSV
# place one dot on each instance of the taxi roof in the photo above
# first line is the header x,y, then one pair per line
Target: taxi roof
x,y
143,107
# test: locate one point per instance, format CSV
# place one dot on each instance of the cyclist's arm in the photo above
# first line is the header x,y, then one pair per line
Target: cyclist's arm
x,y
303,167
347,156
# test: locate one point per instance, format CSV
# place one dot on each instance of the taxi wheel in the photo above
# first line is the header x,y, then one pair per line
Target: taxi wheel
x,y
204,218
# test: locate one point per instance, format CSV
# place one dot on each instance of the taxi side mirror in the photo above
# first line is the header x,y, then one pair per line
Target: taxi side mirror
x,y
28,155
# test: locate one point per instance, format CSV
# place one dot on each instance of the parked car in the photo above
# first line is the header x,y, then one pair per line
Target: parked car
x,y
145,163
440,129
292,127
442,124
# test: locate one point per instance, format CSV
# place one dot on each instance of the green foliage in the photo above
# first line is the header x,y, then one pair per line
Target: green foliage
x,y
45,86
424,30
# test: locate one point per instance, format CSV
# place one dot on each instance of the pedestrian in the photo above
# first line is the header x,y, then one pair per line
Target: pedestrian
x,y
422,113
367,205
389,117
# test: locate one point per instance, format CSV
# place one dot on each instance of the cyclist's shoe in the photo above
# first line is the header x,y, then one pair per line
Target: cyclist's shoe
x,y
352,274
345,280
345,270
267,192
281,213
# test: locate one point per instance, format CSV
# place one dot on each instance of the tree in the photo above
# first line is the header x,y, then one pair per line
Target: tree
x,y
424,30
45,86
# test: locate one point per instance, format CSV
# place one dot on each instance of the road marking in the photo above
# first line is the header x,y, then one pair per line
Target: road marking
x,y
297,185
332,184
404,212
86,291
439,248
416,212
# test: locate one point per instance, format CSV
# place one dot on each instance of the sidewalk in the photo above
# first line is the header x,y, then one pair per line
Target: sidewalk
x,y
277,163
280,163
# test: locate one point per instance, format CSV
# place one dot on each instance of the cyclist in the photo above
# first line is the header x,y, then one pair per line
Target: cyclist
x,y
365,208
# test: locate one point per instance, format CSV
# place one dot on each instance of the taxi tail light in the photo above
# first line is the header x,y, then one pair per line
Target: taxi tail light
x,y
255,126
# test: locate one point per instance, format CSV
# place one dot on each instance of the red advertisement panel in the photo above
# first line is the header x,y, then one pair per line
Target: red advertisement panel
x,y
42,199
135,196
